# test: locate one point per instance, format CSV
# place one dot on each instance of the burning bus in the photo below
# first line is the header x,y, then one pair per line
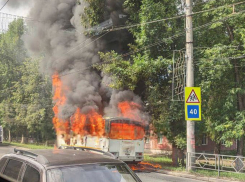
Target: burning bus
x,y
122,137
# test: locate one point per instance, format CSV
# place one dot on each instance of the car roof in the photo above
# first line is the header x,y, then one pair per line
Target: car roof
x,y
62,157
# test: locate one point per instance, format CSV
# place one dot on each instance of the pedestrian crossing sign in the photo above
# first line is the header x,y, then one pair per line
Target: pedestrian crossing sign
x,y
193,103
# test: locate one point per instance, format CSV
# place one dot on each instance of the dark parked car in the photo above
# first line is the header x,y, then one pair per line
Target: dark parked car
x,y
63,166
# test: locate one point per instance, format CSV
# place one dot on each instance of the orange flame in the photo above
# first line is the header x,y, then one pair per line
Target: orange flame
x,y
126,131
93,123
152,165
143,166
89,124
130,110
61,126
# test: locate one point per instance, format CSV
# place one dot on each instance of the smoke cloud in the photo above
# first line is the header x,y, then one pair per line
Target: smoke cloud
x,y
58,35
19,3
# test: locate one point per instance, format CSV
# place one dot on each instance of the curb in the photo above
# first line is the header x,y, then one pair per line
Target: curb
x,y
191,176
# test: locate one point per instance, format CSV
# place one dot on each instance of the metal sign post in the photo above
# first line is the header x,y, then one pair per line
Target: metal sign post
x,y
190,125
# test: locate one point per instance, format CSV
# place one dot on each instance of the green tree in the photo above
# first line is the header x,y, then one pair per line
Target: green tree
x,y
25,95
11,56
220,76
33,102
147,73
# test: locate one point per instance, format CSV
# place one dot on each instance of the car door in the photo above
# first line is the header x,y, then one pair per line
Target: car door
x,y
12,170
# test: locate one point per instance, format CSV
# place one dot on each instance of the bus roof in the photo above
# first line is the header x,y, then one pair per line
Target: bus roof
x,y
119,118
127,120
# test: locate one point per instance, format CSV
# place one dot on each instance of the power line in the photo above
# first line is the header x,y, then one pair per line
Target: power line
x,y
220,7
144,23
239,57
171,18
194,4
88,43
177,35
156,43
220,58
4,5
148,46
81,49
7,15
83,42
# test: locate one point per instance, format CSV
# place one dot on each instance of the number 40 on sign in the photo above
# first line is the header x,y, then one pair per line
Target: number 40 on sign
x,y
193,103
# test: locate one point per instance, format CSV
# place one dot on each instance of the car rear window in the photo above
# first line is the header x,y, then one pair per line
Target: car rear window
x,y
12,169
91,173
2,162
31,175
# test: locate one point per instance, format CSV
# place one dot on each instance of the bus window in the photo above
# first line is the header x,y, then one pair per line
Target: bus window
x,y
126,131
107,126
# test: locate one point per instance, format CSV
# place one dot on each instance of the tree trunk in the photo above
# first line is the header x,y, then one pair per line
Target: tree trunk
x,y
239,96
181,157
240,144
24,139
174,155
10,139
240,108
178,157
217,148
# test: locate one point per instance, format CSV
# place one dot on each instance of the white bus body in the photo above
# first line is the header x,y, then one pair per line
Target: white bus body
x,y
123,137
125,150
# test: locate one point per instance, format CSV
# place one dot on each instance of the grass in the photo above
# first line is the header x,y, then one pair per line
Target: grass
x,y
166,164
29,146
230,175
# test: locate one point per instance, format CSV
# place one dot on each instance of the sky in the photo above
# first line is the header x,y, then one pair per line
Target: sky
x,y
16,7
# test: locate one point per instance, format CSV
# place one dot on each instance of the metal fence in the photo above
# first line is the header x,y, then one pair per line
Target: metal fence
x,y
216,162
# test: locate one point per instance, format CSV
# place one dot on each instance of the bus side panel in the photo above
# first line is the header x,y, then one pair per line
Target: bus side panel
x,y
104,144
114,146
139,147
93,142
139,150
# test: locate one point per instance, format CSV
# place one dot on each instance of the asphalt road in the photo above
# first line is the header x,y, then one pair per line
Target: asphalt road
x,y
4,150
145,177
158,177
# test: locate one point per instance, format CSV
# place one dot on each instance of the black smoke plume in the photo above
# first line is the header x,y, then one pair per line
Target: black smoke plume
x,y
59,36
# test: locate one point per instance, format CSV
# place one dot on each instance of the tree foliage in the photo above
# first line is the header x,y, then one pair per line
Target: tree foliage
x,y
219,67
25,95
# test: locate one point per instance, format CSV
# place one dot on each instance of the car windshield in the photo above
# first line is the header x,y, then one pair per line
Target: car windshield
x,y
91,173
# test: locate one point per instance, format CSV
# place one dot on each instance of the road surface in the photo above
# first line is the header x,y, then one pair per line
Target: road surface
x,y
158,177
5,150
145,177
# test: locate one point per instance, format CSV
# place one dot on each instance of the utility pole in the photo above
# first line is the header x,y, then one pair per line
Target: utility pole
x,y
190,125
